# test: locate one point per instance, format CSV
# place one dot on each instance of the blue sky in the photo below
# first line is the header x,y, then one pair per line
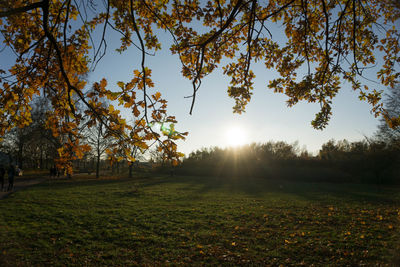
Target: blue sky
x,y
267,116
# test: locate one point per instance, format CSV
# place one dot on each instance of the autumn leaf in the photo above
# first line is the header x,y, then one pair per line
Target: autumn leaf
x,y
121,85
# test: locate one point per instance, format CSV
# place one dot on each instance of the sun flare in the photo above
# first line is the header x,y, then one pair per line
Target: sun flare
x,y
236,136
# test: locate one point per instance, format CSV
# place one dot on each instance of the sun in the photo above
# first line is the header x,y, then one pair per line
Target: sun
x,y
236,136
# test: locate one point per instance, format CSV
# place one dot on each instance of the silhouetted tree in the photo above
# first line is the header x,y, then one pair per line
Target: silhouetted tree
x,y
392,106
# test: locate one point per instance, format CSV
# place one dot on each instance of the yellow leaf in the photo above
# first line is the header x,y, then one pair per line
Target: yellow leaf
x,y
131,159
103,83
136,73
121,84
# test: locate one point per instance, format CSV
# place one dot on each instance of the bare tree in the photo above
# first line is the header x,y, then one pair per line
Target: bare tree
x,y
34,145
98,138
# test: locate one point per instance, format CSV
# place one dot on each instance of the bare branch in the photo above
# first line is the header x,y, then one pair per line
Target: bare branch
x,y
103,40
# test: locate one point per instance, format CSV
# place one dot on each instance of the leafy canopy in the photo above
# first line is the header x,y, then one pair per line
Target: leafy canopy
x,y
327,42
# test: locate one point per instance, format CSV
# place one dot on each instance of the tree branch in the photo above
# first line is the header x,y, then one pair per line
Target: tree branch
x,y
18,10
135,27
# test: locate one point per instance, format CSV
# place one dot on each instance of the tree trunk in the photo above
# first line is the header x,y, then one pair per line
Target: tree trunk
x,y
20,147
98,166
98,151
41,158
130,170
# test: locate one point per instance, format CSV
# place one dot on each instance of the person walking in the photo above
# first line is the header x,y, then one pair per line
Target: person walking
x,y
11,174
2,173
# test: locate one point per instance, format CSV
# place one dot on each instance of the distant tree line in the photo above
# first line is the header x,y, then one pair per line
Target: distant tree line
x,y
375,159
367,161
32,146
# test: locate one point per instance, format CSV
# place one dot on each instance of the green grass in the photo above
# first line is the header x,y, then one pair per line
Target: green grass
x,y
199,221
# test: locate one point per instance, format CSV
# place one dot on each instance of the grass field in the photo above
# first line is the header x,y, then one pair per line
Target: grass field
x,y
199,221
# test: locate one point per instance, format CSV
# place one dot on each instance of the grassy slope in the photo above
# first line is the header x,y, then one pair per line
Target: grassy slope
x,y
199,221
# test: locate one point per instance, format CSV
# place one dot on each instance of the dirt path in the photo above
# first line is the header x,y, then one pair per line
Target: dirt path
x,y
21,183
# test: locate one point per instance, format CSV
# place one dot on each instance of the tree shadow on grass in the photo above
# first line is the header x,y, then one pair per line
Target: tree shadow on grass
x,y
358,193
198,186
78,183
258,187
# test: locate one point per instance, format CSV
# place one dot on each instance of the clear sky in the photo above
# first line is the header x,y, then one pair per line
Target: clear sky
x,y
267,116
